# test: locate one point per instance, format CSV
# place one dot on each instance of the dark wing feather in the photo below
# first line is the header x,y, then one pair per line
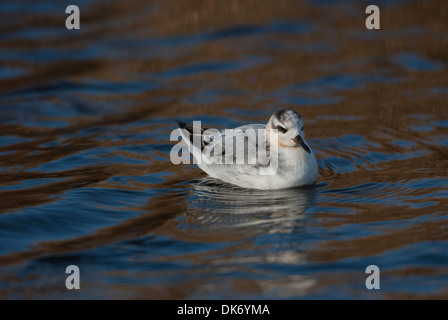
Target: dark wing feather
x,y
189,128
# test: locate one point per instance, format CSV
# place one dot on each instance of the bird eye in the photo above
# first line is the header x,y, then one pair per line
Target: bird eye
x,y
281,129
302,129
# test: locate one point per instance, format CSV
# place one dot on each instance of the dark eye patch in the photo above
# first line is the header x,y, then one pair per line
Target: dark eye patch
x,y
281,129
302,129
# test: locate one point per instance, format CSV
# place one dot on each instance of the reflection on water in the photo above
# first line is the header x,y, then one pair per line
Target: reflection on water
x,y
216,205
85,175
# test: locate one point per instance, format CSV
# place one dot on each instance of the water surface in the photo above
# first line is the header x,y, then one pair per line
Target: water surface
x,y
86,178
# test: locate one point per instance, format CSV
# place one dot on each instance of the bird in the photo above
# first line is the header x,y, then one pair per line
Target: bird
x,y
243,163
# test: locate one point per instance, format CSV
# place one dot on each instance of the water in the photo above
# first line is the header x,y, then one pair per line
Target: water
x,y
85,174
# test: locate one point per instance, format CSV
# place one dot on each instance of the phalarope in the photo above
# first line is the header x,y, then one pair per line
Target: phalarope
x,y
296,163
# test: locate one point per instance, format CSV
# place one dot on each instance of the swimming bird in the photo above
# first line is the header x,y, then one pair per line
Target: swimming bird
x,y
281,140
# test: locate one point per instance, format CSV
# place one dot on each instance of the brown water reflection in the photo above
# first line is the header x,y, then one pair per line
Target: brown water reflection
x,y
85,175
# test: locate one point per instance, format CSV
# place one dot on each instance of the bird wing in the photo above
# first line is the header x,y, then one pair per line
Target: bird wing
x,y
236,146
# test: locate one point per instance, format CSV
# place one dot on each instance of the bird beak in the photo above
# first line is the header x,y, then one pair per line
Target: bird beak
x,y
298,140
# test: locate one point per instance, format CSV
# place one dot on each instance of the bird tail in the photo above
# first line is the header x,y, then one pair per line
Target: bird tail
x,y
192,138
